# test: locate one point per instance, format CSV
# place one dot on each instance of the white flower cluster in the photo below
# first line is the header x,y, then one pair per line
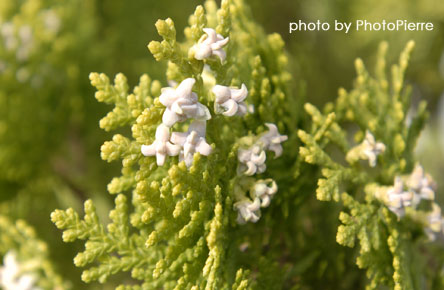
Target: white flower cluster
x,y
371,149
21,41
261,193
18,40
252,160
398,198
182,104
231,100
210,44
193,141
422,185
418,186
51,21
13,276
435,222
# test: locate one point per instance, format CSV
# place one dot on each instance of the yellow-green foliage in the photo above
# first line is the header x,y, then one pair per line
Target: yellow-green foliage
x,y
41,43
20,238
389,247
173,227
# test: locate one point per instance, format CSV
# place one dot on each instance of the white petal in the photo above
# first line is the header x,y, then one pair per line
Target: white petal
x,y
380,147
255,205
26,282
160,147
407,198
176,108
188,149
202,51
162,133
371,159
251,168
239,94
272,129
160,158
211,34
260,189
167,97
265,201
369,137
148,150
221,42
190,110
279,139
172,150
192,138
179,138
203,147
185,87
189,160
273,189
202,112
395,201
398,186
172,84
254,218
277,149
259,159
220,53
198,126
222,93
170,118
231,107
427,193
244,155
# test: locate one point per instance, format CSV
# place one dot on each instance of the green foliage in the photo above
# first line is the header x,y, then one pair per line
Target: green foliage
x,y
33,253
39,74
214,221
177,232
388,245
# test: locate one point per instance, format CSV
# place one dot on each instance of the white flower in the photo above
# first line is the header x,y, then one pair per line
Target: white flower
x,y
398,199
24,50
11,276
51,21
232,100
162,146
435,222
422,184
265,192
25,34
252,160
248,210
8,32
7,29
192,141
272,139
210,44
371,149
182,104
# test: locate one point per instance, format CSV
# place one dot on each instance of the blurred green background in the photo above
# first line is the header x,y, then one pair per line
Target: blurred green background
x,y
49,135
